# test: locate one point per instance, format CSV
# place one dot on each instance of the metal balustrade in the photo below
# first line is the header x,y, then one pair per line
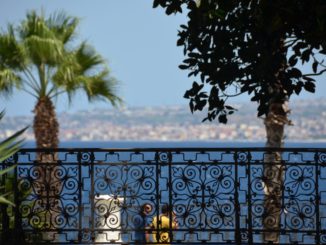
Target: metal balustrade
x,y
216,196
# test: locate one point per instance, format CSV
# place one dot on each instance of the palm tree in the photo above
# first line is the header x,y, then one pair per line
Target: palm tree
x,y
40,57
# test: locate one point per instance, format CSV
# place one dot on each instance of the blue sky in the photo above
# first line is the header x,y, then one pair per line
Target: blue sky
x,y
139,43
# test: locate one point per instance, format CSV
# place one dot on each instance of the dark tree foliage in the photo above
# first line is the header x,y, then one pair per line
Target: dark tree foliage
x,y
249,46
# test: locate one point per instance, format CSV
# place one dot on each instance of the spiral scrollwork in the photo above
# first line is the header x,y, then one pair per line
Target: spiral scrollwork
x,y
36,221
70,184
191,221
106,211
163,157
59,173
107,179
85,157
242,157
136,172
300,214
321,157
270,221
300,180
323,239
60,221
244,236
24,186
86,236
36,172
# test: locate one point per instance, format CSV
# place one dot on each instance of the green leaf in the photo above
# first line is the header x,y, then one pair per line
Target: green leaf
x,y
229,107
298,87
223,119
309,86
7,148
183,67
6,201
296,73
156,3
314,66
306,55
191,105
6,170
293,60
205,119
10,146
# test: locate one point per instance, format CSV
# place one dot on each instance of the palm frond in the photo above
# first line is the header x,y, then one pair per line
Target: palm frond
x,y
65,75
41,43
8,81
82,61
85,69
11,62
5,201
101,87
2,114
7,170
12,53
34,25
87,58
44,50
11,145
63,26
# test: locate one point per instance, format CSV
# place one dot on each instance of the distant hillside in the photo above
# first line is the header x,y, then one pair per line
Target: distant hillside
x,y
177,123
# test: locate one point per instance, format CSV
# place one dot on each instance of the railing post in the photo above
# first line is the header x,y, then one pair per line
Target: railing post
x,y
170,197
92,196
80,197
236,200
317,173
248,173
157,187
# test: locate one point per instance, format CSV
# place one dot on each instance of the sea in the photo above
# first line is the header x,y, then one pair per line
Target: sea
x,y
176,144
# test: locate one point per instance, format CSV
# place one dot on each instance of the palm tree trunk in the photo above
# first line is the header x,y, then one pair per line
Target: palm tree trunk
x,y
47,186
273,176
46,127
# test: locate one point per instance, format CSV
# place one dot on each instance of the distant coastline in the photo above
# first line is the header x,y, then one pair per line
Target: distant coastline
x,y
177,124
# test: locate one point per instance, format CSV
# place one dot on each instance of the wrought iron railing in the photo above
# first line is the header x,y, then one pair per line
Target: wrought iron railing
x,y
215,196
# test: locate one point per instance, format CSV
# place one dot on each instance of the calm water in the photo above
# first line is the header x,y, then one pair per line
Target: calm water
x,y
157,144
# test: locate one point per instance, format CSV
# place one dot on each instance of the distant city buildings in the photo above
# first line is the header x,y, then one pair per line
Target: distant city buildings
x,y
176,123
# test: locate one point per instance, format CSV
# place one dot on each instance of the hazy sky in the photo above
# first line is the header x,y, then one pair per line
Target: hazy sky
x,y
138,41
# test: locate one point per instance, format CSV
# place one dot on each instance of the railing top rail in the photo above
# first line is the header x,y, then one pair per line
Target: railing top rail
x,y
177,149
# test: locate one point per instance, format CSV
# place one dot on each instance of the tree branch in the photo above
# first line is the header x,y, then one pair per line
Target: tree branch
x,y
231,95
314,74
319,63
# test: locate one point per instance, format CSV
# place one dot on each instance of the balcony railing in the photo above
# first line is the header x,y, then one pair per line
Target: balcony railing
x,y
215,195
